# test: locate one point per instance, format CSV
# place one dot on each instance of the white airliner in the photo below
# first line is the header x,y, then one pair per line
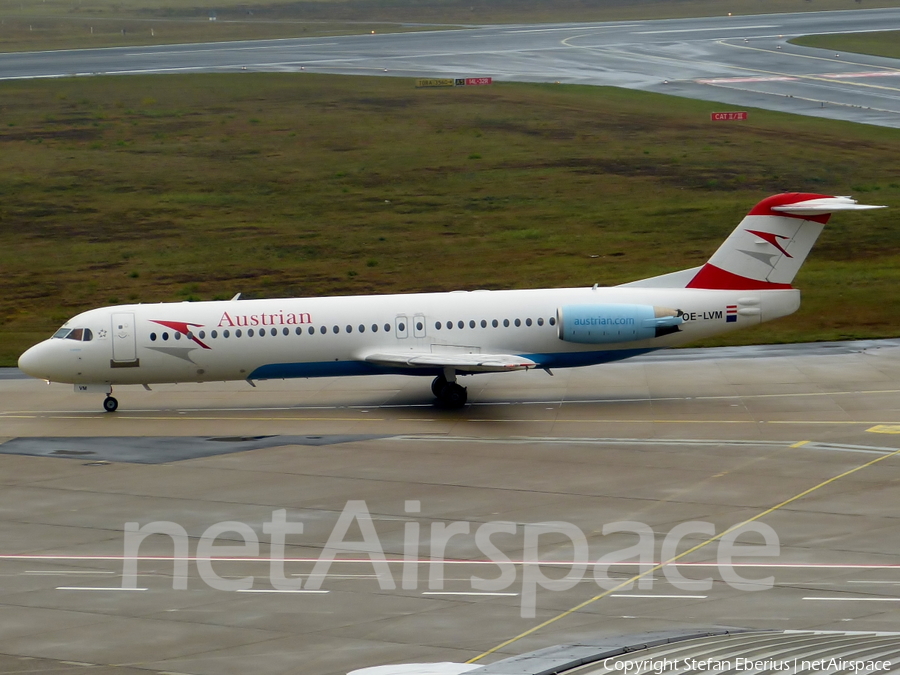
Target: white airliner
x,y
444,335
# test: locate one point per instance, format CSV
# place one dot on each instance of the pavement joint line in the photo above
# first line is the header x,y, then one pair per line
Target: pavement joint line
x,y
557,402
628,582
12,557
548,420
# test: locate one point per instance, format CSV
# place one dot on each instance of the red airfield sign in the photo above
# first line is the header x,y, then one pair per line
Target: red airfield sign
x,y
728,116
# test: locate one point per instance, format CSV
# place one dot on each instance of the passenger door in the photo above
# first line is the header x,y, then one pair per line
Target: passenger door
x,y
124,349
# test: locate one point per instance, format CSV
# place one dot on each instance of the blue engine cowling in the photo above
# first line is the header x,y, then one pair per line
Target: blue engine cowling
x,y
599,324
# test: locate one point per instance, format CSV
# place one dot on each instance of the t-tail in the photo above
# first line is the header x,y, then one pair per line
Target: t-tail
x,y
771,242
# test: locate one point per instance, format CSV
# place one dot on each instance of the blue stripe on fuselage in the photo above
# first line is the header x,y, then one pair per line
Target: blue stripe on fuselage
x,y
280,371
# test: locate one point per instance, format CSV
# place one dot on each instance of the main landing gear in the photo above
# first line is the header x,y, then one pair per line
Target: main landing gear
x,y
110,404
449,394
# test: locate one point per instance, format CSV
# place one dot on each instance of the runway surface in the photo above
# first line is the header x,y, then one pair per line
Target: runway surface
x,y
737,61
801,439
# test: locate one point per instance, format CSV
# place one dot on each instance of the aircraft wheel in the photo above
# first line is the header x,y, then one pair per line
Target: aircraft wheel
x,y
452,396
437,385
110,404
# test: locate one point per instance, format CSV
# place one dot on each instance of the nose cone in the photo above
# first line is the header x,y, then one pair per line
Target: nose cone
x,y
33,362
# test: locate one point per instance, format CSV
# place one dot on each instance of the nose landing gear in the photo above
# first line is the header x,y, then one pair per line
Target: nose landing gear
x,y
110,404
449,394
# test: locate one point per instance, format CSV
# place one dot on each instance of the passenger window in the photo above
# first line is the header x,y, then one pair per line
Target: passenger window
x,y
298,331
552,321
437,325
336,330
518,323
506,323
152,337
349,329
494,323
374,327
471,324
214,335
449,324
323,330
274,331
401,326
387,328
311,331
540,321
286,331
483,323
165,336
237,333
527,322
262,332
419,325
461,324
202,334
225,333
250,332
362,329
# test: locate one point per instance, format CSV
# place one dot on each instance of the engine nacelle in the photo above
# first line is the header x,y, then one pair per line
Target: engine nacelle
x,y
600,324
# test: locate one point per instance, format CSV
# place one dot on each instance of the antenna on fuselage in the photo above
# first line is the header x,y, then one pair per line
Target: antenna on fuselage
x,y
236,297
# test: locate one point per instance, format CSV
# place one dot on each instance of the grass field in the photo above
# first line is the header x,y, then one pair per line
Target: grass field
x,y
878,44
64,24
161,188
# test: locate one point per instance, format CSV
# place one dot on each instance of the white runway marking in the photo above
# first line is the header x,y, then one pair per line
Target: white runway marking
x,y
467,593
698,30
235,49
280,590
97,588
857,599
659,597
49,573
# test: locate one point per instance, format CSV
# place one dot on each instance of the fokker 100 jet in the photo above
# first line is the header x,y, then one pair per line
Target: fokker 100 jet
x,y
444,335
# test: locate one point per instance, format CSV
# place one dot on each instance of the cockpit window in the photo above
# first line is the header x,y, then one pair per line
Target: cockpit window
x,y
80,334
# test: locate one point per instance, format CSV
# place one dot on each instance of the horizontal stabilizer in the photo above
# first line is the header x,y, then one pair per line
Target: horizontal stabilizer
x,y
818,207
473,363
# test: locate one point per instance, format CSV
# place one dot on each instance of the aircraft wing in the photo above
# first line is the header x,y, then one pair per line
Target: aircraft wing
x,y
467,363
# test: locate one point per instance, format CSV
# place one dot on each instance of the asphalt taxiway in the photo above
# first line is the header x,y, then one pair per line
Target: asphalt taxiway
x,y
800,439
736,61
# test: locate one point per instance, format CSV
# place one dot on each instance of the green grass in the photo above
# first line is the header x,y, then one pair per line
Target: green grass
x,y
877,44
64,24
164,188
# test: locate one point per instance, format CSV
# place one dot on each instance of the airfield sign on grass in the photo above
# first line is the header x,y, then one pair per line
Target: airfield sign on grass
x,y
734,116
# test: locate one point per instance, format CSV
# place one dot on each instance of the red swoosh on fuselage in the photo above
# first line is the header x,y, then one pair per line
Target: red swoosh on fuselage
x,y
183,328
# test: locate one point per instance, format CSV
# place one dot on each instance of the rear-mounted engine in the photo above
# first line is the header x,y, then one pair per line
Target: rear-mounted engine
x,y
601,324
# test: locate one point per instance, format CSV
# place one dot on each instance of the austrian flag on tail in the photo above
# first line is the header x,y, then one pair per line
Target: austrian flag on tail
x,y
730,313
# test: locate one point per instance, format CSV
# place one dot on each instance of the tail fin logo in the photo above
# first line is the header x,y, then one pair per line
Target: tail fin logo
x,y
772,238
